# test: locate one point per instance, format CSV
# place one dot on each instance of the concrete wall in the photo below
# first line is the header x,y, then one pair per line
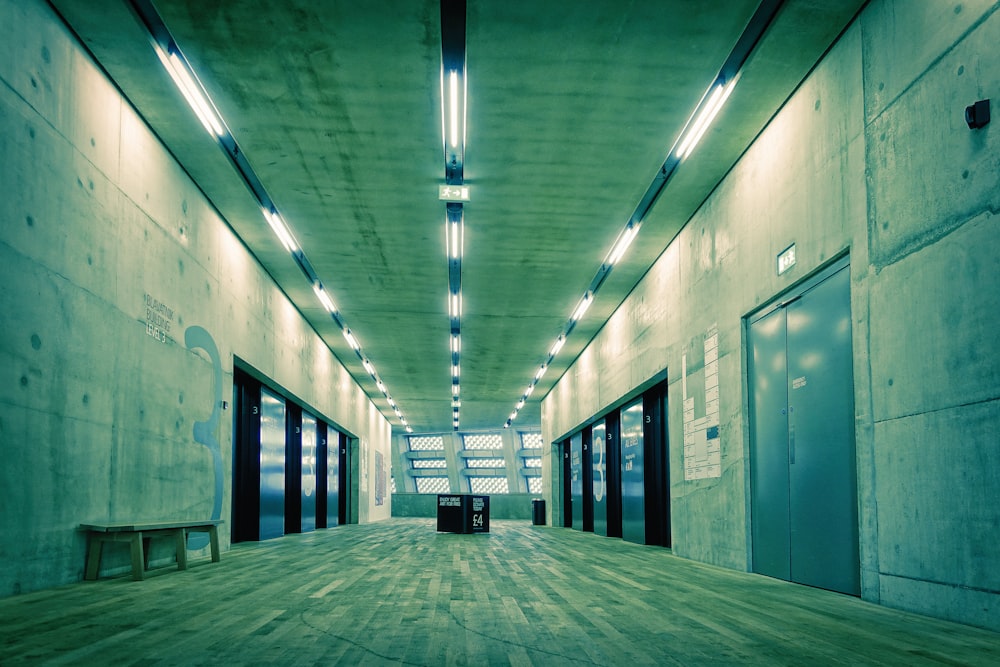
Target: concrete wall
x,y
118,276
870,156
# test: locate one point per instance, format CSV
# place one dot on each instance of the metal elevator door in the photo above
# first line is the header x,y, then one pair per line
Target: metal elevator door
x,y
803,469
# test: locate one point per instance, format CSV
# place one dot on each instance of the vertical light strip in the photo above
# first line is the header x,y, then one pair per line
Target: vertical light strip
x,y
453,106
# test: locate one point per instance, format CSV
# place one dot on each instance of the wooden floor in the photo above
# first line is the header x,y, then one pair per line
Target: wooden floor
x,y
398,592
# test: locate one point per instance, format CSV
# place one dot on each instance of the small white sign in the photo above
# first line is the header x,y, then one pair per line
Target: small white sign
x,y
786,259
454,192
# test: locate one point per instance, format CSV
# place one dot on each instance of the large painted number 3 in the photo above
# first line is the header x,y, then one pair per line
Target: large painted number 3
x,y
204,431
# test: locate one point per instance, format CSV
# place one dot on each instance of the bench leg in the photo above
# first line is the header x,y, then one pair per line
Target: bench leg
x,y
138,557
180,535
213,538
94,544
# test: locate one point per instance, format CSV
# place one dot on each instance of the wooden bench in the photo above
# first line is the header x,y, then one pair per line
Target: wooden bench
x,y
136,534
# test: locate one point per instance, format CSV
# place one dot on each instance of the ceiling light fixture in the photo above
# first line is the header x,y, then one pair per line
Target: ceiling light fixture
x,y
281,230
186,81
707,111
585,302
697,125
351,340
455,239
324,298
183,76
558,346
624,241
541,372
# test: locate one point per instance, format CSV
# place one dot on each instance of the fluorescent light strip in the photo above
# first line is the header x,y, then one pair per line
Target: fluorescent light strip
x,y
351,340
624,241
455,239
280,230
456,343
558,346
453,106
192,92
324,298
584,305
455,305
717,98
197,98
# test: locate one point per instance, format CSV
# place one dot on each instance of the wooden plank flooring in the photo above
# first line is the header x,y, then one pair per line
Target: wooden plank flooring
x,y
398,592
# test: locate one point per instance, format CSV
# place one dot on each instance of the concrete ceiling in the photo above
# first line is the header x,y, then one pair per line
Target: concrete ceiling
x,y
573,107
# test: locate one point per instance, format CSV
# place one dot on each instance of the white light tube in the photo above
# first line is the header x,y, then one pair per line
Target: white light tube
x,y
455,370
351,340
281,231
453,106
191,91
705,118
541,372
520,404
558,346
513,416
324,298
368,367
624,241
381,386
455,305
392,403
456,344
454,389
409,430
582,308
531,388
455,240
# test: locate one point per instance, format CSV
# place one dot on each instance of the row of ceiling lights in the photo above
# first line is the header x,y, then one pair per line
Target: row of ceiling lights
x,y
200,102
454,98
692,132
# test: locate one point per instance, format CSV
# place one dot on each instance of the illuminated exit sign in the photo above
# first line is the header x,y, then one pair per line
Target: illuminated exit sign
x,y
786,259
454,192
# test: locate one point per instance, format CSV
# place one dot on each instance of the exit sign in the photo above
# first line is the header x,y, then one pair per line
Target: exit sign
x,y
786,259
454,192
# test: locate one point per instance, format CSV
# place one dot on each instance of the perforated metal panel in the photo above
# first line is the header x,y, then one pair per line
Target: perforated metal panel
x,y
485,463
425,443
488,485
531,440
483,441
432,485
428,463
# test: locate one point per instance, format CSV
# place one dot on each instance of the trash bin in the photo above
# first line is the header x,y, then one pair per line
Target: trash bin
x,y
538,512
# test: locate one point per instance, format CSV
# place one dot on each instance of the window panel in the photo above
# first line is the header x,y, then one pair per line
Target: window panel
x,y
531,440
432,485
488,485
426,443
533,463
429,463
483,441
534,484
485,463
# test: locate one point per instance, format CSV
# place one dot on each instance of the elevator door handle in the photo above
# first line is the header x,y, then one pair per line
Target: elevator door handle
x,y
791,443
